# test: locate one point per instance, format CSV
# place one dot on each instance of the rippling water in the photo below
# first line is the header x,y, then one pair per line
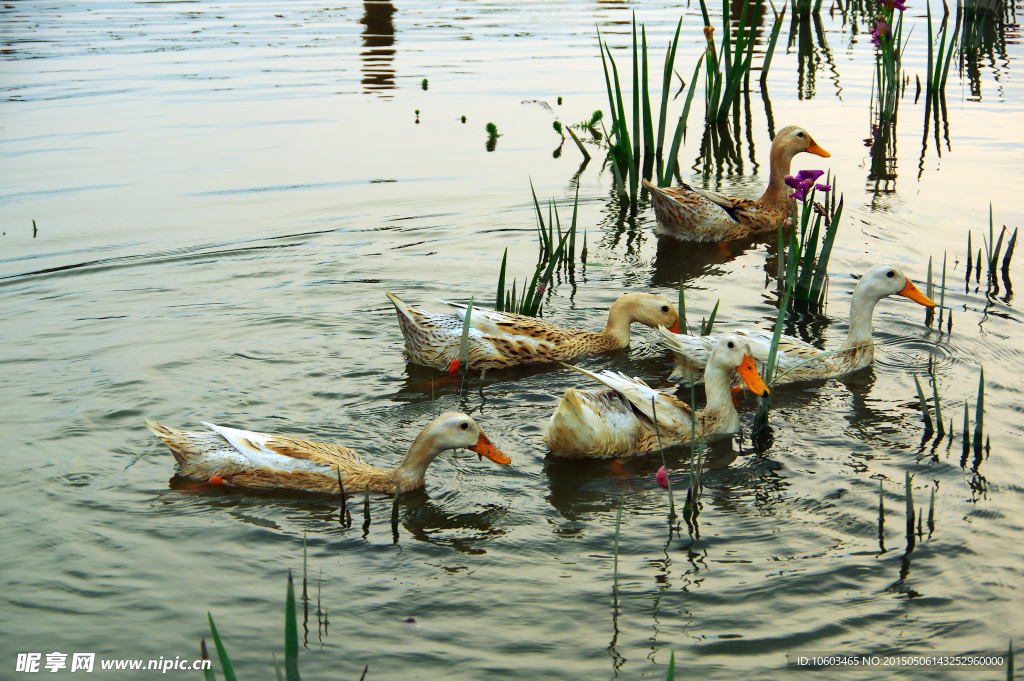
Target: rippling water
x,y
221,195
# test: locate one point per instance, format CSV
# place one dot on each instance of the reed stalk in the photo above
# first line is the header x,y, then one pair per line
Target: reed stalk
x,y
664,463
463,349
222,653
979,414
291,634
618,526
925,412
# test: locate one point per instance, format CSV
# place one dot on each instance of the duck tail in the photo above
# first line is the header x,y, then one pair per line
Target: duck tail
x,y
176,440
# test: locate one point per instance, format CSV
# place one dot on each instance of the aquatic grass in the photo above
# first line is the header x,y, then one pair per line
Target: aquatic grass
x,y
776,29
579,144
394,515
925,412
557,127
788,282
724,74
911,540
552,252
696,459
618,526
222,653
939,59
938,406
1009,662
881,516
464,343
682,308
625,151
812,269
979,414
705,330
291,634
492,137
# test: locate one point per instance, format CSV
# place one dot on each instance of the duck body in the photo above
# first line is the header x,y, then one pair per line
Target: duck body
x,y
620,421
693,214
797,360
241,458
498,340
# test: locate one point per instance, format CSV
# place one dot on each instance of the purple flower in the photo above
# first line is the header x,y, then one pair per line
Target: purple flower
x,y
823,187
662,477
880,32
792,182
811,175
802,183
897,4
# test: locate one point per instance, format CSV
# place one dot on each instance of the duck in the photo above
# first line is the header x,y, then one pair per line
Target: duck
x,y
244,459
501,339
620,420
797,360
693,214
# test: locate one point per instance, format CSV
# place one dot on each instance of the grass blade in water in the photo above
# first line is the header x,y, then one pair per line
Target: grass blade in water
x,y
673,154
499,300
277,667
979,414
938,408
664,463
618,525
222,654
291,634
208,674
670,675
771,45
464,344
925,412
666,87
579,145
711,320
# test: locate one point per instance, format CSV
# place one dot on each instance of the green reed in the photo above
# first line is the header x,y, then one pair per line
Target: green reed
x,y
812,269
696,458
705,330
888,64
463,353
554,247
492,137
618,527
939,58
291,644
979,414
776,29
910,513
625,151
788,282
683,326
724,74
1009,662
925,412
670,675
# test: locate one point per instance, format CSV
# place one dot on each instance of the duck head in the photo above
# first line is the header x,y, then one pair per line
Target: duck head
x,y
733,354
885,280
793,140
647,308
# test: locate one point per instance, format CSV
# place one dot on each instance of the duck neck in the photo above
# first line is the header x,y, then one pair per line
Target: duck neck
x,y
777,193
619,320
412,472
717,384
862,307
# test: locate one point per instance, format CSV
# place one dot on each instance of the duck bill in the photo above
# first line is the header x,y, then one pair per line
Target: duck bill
x,y
675,327
748,372
483,447
914,293
816,150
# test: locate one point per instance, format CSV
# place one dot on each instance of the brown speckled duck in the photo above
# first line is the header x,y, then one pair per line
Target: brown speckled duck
x,y
240,458
502,339
693,214
620,422
797,360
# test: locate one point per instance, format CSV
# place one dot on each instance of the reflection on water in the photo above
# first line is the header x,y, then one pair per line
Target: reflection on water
x,y
379,55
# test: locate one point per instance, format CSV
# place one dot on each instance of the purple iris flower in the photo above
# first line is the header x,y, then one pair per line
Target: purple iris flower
x,y
811,175
823,187
880,32
897,4
803,181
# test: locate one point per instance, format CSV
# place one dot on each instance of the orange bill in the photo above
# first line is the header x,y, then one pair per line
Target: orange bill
x,y
675,327
748,372
453,368
816,150
912,292
484,447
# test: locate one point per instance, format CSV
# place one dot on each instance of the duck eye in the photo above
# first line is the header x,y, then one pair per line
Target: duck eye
x,y
800,134
731,344
664,308
464,425
890,274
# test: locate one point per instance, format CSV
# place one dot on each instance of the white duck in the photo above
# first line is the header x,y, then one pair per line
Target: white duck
x,y
240,458
797,360
620,422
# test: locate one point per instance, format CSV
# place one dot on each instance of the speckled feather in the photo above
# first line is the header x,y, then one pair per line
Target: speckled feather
x,y
500,339
692,214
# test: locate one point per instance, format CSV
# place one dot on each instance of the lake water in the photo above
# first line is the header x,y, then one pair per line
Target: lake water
x,y
222,192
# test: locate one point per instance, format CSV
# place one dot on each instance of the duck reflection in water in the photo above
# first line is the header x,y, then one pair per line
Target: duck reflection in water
x,y
379,40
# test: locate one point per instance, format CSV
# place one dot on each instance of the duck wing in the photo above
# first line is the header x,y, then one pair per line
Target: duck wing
x,y
510,325
280,452
673,414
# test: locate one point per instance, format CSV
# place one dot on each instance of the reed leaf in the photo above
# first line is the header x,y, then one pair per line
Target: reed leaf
x,y
464,343
499,298
277,668
1009,250
938,407
648,123
222,653
776,29
682,309
579,145
208,674
618,526
979,414
670,675
673,154
666,87
711,320
291,634
636,94
821,270
925,412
